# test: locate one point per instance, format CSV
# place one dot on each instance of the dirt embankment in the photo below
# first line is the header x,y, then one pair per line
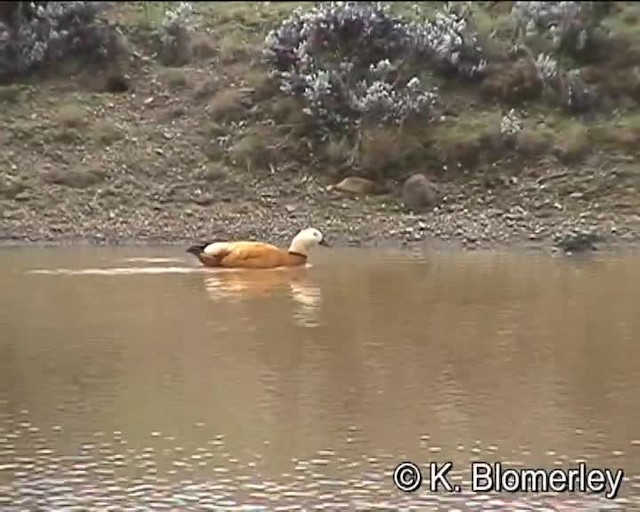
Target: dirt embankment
x,y
201,144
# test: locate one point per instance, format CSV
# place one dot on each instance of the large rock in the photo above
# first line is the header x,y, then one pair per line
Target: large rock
x,y
418,193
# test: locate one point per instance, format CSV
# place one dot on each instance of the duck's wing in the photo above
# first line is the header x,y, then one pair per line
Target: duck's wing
x,y
217,249
250,253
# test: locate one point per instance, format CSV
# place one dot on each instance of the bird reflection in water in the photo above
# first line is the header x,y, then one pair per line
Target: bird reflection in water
x,y
242,284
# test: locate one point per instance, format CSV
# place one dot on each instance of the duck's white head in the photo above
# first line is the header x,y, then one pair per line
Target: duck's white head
x,y
306,239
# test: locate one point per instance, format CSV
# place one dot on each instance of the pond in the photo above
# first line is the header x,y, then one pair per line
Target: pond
x,y
132,379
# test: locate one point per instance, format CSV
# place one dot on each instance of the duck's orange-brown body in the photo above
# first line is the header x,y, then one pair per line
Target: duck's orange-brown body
x,y
248,255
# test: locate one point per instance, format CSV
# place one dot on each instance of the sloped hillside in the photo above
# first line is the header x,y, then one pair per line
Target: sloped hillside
x,y
190,134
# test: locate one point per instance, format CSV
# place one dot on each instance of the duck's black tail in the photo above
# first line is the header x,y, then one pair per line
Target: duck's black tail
x,y
197,249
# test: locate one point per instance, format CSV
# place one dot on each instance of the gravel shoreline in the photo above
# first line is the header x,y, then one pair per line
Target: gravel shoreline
x,y
534,209
353,226
143,189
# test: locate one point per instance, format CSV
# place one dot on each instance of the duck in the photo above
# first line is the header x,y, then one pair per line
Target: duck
x,y
258,255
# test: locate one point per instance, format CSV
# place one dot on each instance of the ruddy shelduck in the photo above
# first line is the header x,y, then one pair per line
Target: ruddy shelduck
x,y
258,255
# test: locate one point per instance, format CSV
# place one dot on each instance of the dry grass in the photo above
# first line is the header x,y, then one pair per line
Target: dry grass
x,y
463,141
228,105
496,24
203,48
175,78
75,122
235,46
257,149
105,133
239,28
339,151
144,15
621,135
286,113
535,141
249,16
625,23
12,94
572,143
385,150
70,115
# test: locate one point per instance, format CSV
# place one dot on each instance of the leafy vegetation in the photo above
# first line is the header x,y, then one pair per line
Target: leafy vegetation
x,y
37,35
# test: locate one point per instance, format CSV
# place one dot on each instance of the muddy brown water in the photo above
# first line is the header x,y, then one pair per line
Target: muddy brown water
x,y
131,379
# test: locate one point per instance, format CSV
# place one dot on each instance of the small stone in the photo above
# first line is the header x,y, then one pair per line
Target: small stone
x,y
203,200
356,186
22,196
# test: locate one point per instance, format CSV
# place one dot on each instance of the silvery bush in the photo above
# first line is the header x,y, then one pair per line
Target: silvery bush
x,y
510,124
577,95
41,33
574,94
571,26
448,42
175,22
171,37
354,62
